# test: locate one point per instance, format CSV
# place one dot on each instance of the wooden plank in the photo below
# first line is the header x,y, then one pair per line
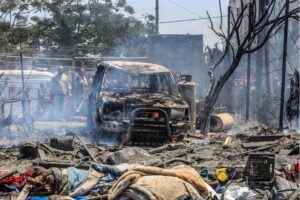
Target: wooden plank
x,y
24,193
257,144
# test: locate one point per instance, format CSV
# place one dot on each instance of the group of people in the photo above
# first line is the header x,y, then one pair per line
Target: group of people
x,y
62,98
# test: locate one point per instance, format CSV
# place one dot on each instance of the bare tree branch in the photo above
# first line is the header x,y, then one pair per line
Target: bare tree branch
x,y
245,44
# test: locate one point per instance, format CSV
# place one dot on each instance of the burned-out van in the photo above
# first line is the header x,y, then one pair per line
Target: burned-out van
x,y
136,103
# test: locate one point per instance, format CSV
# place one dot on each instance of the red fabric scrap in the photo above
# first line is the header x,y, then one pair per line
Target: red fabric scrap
x,y
18,180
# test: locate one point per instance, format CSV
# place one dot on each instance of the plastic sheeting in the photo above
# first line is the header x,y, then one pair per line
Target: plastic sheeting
x,y
235,192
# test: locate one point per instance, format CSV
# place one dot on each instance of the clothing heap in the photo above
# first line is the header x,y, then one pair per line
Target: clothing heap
x,y
124,181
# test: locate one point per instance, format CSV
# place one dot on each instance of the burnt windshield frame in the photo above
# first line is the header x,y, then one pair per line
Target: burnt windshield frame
x,y
166,77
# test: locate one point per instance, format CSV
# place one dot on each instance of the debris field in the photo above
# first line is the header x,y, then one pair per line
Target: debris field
x,y
247,162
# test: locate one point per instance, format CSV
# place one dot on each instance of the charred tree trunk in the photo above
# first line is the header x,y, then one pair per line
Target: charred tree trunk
x,y
214,92
248,86
284,60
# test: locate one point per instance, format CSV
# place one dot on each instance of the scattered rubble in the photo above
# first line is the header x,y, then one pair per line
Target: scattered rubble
x,y
218,166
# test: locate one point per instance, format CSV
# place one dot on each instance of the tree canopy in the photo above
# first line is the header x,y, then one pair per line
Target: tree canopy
x,y
96,23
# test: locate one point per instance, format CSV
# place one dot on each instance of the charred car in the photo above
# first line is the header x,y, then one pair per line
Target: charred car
x,y
136,103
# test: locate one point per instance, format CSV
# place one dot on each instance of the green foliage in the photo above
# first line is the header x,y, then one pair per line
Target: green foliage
x,y
18,35
97,23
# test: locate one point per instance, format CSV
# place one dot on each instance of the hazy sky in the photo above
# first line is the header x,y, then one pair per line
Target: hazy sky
x,y
195,9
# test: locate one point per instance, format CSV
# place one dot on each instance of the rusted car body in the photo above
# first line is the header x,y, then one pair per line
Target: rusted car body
x,y
136,103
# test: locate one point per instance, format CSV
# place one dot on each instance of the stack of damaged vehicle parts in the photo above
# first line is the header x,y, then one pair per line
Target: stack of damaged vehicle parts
x,y
217,166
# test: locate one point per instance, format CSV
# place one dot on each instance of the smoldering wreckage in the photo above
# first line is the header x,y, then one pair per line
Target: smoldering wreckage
x,y
156,151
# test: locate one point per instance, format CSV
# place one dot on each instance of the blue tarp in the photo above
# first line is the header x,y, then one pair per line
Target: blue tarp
x,y
76,177
45,198
37,198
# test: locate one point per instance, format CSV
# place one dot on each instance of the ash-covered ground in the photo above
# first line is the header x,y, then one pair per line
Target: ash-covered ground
x,y
206,154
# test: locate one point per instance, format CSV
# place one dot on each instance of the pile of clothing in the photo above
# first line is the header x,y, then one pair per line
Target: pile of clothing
x,y
120,182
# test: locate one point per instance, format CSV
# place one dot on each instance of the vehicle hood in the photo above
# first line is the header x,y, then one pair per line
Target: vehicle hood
x,y
146,100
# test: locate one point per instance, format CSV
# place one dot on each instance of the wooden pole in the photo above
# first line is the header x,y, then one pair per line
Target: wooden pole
x,y
284,58
268,69
248,86
228,22
87,149
157,16
248,76
228,85
23,86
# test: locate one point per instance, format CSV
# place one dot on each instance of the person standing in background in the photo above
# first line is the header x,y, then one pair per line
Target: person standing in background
x,y
59,93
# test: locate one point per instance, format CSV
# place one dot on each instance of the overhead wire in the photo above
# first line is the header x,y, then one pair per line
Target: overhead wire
x,y
184,8
187,20
188,10
294,41
288,58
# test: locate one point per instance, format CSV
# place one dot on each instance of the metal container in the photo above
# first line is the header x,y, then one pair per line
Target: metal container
x,y
28,149
221,122
187,90
62,143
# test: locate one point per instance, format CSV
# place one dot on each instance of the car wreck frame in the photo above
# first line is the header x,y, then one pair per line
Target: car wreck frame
x,y
136,115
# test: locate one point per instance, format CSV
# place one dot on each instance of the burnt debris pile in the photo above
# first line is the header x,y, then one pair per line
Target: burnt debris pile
x,y
253,163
